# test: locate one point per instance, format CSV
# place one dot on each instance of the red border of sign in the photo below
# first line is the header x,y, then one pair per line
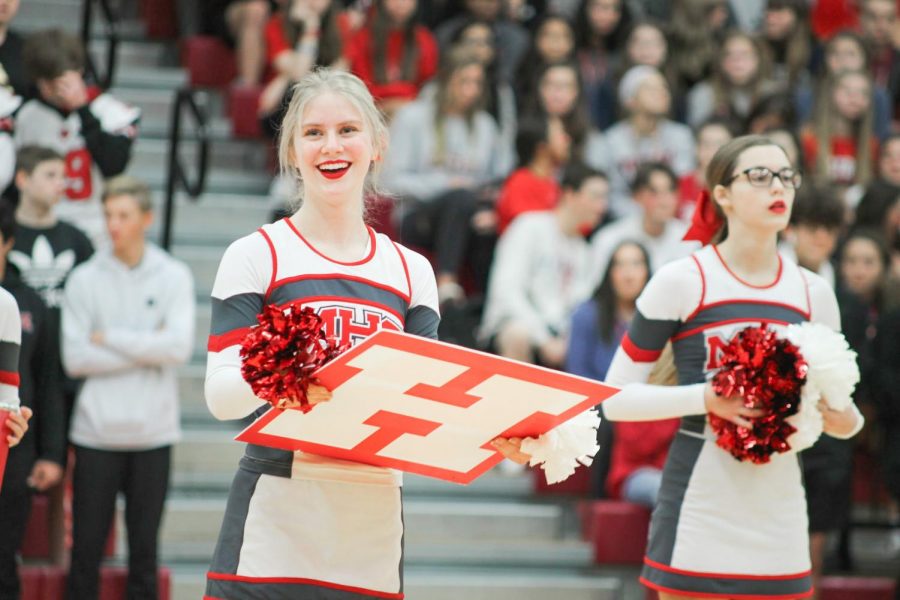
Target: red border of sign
x,y
338,371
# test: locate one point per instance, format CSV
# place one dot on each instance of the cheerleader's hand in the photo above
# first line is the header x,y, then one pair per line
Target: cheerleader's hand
x,y
17,423
731,409
314,394
837,422
511,448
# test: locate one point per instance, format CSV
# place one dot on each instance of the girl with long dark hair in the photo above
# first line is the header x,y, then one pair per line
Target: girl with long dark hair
x,y
393,54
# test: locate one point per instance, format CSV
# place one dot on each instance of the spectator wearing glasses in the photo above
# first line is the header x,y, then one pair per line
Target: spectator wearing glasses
x,y
731,283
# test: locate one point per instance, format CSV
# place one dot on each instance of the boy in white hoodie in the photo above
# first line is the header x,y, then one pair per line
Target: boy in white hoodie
x,y
127,322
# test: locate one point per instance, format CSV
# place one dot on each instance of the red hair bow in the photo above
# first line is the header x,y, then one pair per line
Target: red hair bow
x,y
705,222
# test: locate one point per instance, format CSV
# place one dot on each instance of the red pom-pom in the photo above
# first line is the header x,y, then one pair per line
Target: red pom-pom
x,y
768,373
280,354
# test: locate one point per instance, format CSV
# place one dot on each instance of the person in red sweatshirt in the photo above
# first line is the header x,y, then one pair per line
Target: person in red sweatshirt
x,y
393,54
543,146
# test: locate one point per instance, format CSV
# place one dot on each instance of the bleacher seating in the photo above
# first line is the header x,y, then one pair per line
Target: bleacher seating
x,y
579,484
618,531
209,62
242,111
43,582
857,588
37,531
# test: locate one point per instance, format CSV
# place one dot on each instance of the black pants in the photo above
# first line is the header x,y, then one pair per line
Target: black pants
x,y
143,476
444,226
15,504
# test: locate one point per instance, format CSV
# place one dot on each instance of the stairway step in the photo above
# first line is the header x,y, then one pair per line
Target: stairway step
x,y
462,554
203,262
434,529
35,15
156,111
153,78
235,156
201,332
190,394
211,222
202,455
518,584
427,583
207,457
218,181
157,123
134,53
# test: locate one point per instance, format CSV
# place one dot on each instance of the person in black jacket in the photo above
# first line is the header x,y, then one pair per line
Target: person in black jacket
x,y
36,463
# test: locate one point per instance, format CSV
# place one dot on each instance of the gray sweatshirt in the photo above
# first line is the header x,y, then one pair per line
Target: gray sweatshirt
x,y
672,143
129,400
538,277
477,155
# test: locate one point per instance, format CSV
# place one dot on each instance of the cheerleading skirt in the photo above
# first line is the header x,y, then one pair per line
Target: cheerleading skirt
x,y
305,539
727,529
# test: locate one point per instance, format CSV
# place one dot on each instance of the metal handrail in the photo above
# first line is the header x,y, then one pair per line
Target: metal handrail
x,y
111,20
176,175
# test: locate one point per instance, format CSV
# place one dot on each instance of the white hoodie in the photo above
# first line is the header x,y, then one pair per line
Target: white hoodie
x,y
129,400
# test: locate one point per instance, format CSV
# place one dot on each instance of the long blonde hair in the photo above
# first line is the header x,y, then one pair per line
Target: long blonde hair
x,y
351,87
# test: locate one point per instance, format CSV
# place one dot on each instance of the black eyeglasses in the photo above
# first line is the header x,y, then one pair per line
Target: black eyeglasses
x,y
763,176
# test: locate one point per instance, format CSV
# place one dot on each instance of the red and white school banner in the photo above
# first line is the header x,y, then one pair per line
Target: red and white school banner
x,y
426,407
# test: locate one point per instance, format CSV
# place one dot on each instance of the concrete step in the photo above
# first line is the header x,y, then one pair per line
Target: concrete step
x,y
156,111
235,156
35,15
213,221
207,457
156,126
201,331
134,53
190,394
218,181
462,553
435,528
203,262
428,583
513,585
153,78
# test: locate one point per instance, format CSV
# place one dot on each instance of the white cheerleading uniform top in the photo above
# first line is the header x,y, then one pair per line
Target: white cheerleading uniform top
x,y
392,287
722,528
10,343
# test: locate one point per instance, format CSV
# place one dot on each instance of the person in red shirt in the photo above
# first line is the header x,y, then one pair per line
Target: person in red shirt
x,y
393,54
638,455
303,35
543,147
839,146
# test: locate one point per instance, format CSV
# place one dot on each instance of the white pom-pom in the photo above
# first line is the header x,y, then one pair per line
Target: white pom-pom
x,y
808,420
832,364
560,450
832,374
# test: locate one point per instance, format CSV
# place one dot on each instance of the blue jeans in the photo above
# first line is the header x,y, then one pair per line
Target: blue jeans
x,y
642,486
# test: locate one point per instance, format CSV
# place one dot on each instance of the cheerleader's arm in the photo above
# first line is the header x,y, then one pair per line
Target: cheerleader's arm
x,y
670,296
237,298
